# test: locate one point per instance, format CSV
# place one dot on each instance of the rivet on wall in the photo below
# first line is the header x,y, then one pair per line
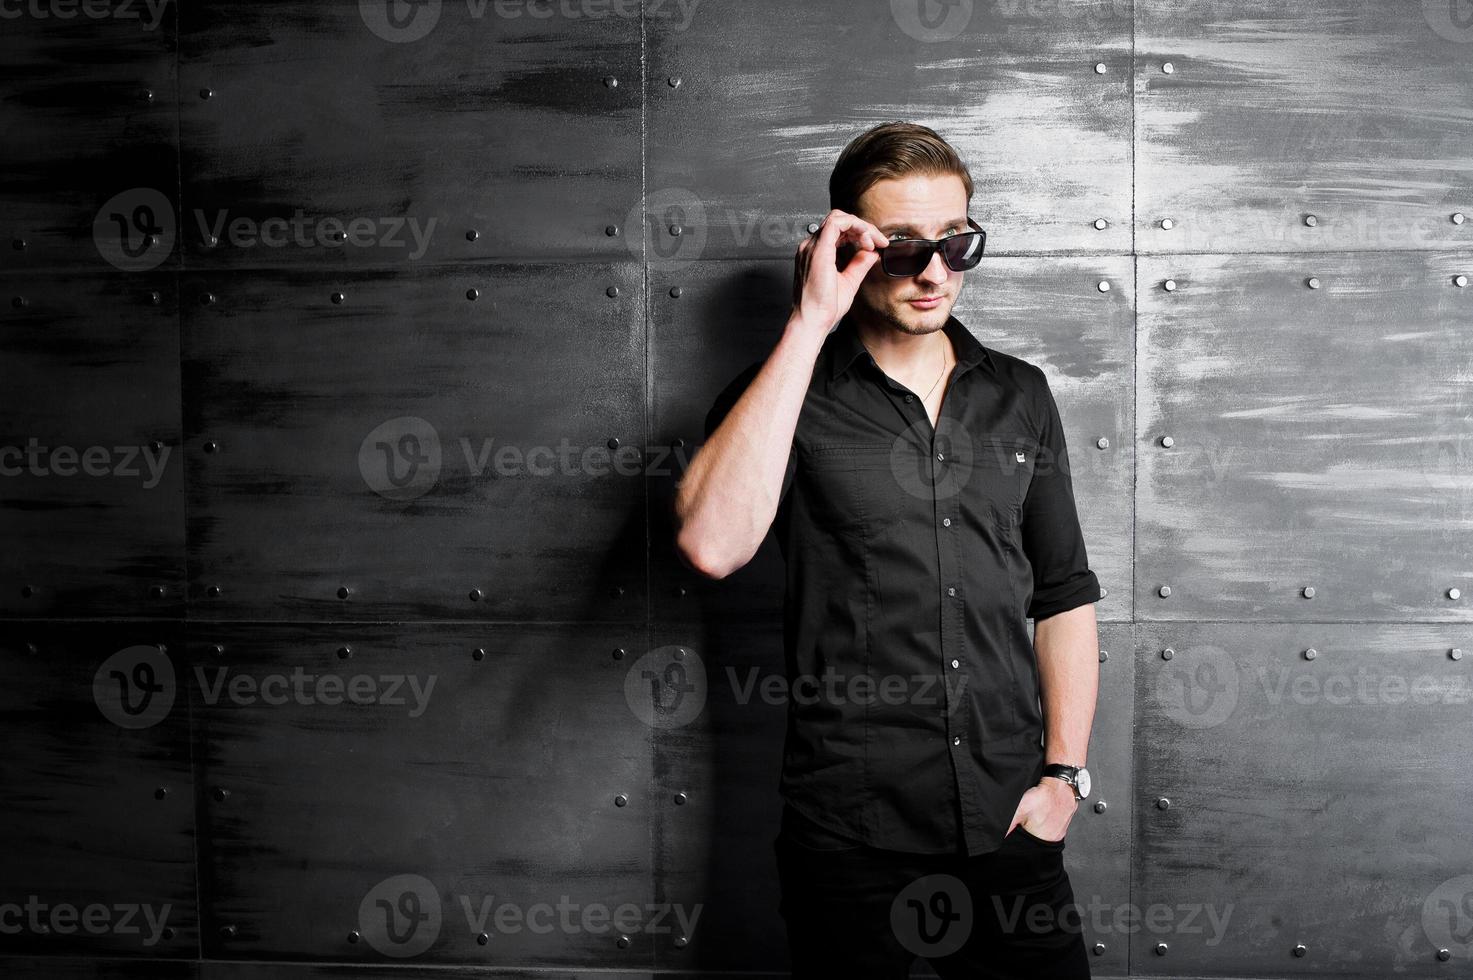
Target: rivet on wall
x,y
1099,68
1167,441
1102,443
1307,592
1455,654
1313,282
1103,286
1169,285
1311,220
1454,593
1099,949
1168,68
1311,653
1164,592
1167,653
1167,224
1460,281
1101,224
1300,949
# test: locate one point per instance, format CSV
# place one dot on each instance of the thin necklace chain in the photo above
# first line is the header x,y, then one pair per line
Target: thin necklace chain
x,y
938,377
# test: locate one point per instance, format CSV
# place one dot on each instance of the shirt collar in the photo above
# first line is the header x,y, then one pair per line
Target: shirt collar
x,y
847,346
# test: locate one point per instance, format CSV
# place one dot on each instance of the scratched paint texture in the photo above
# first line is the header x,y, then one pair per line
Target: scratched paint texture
x,y
1321,437
1359,113
1310,801
492,778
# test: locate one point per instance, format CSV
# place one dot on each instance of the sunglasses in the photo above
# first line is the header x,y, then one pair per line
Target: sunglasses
x,y
910,256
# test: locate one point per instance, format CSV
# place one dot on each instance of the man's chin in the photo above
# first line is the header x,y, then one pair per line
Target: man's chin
x,y
915,320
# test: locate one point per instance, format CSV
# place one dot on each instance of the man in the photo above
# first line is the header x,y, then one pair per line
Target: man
x,y
920,487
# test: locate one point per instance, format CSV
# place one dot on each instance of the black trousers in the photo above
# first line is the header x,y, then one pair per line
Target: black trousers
x,y
863,913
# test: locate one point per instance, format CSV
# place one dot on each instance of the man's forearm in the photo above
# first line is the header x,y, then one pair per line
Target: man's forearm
x,y
1068,650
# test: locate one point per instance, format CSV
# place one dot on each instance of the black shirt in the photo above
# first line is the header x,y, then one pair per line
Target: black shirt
x,y
913,558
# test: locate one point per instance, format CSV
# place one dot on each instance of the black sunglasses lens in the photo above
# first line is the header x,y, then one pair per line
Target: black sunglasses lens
x,y
963,252
905,258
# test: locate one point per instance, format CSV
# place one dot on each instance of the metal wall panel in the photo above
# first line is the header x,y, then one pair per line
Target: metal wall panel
x,y
750,103
425,133
1318,437
434,455
1307,800
1254,118
387,794
91,466
98,820
91,163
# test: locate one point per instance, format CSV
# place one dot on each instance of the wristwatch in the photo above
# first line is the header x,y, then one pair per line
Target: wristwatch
x,y
1075,776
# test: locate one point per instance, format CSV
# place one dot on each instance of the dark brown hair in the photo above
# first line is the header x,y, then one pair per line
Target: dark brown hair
x,y
890,150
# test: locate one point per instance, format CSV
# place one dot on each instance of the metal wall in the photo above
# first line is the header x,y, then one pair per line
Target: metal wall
x,y
352,350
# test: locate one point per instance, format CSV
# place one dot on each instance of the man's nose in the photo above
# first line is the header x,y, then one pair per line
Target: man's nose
x,y
935,270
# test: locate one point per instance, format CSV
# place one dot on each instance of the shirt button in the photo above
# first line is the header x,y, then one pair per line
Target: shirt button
x,y
957,740
956,663
940,456
946,522
910,398
951,591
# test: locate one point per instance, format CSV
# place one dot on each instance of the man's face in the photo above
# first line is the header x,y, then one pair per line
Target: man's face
x,y
915,206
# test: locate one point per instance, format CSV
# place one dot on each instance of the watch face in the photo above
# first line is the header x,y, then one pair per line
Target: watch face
x,y
1082,778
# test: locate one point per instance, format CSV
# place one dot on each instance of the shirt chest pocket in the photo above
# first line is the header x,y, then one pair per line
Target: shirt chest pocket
x,y
870,487
995,472
841,480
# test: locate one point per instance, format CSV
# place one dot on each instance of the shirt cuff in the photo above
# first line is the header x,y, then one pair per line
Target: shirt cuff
x,y
1067,595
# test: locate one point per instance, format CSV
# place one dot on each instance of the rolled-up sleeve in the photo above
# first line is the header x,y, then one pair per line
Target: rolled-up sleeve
x,y
1053,541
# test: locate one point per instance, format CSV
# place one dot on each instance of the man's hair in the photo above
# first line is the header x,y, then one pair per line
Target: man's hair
x,y
890,150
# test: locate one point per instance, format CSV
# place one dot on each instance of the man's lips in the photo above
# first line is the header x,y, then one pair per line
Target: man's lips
x,y
927,300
